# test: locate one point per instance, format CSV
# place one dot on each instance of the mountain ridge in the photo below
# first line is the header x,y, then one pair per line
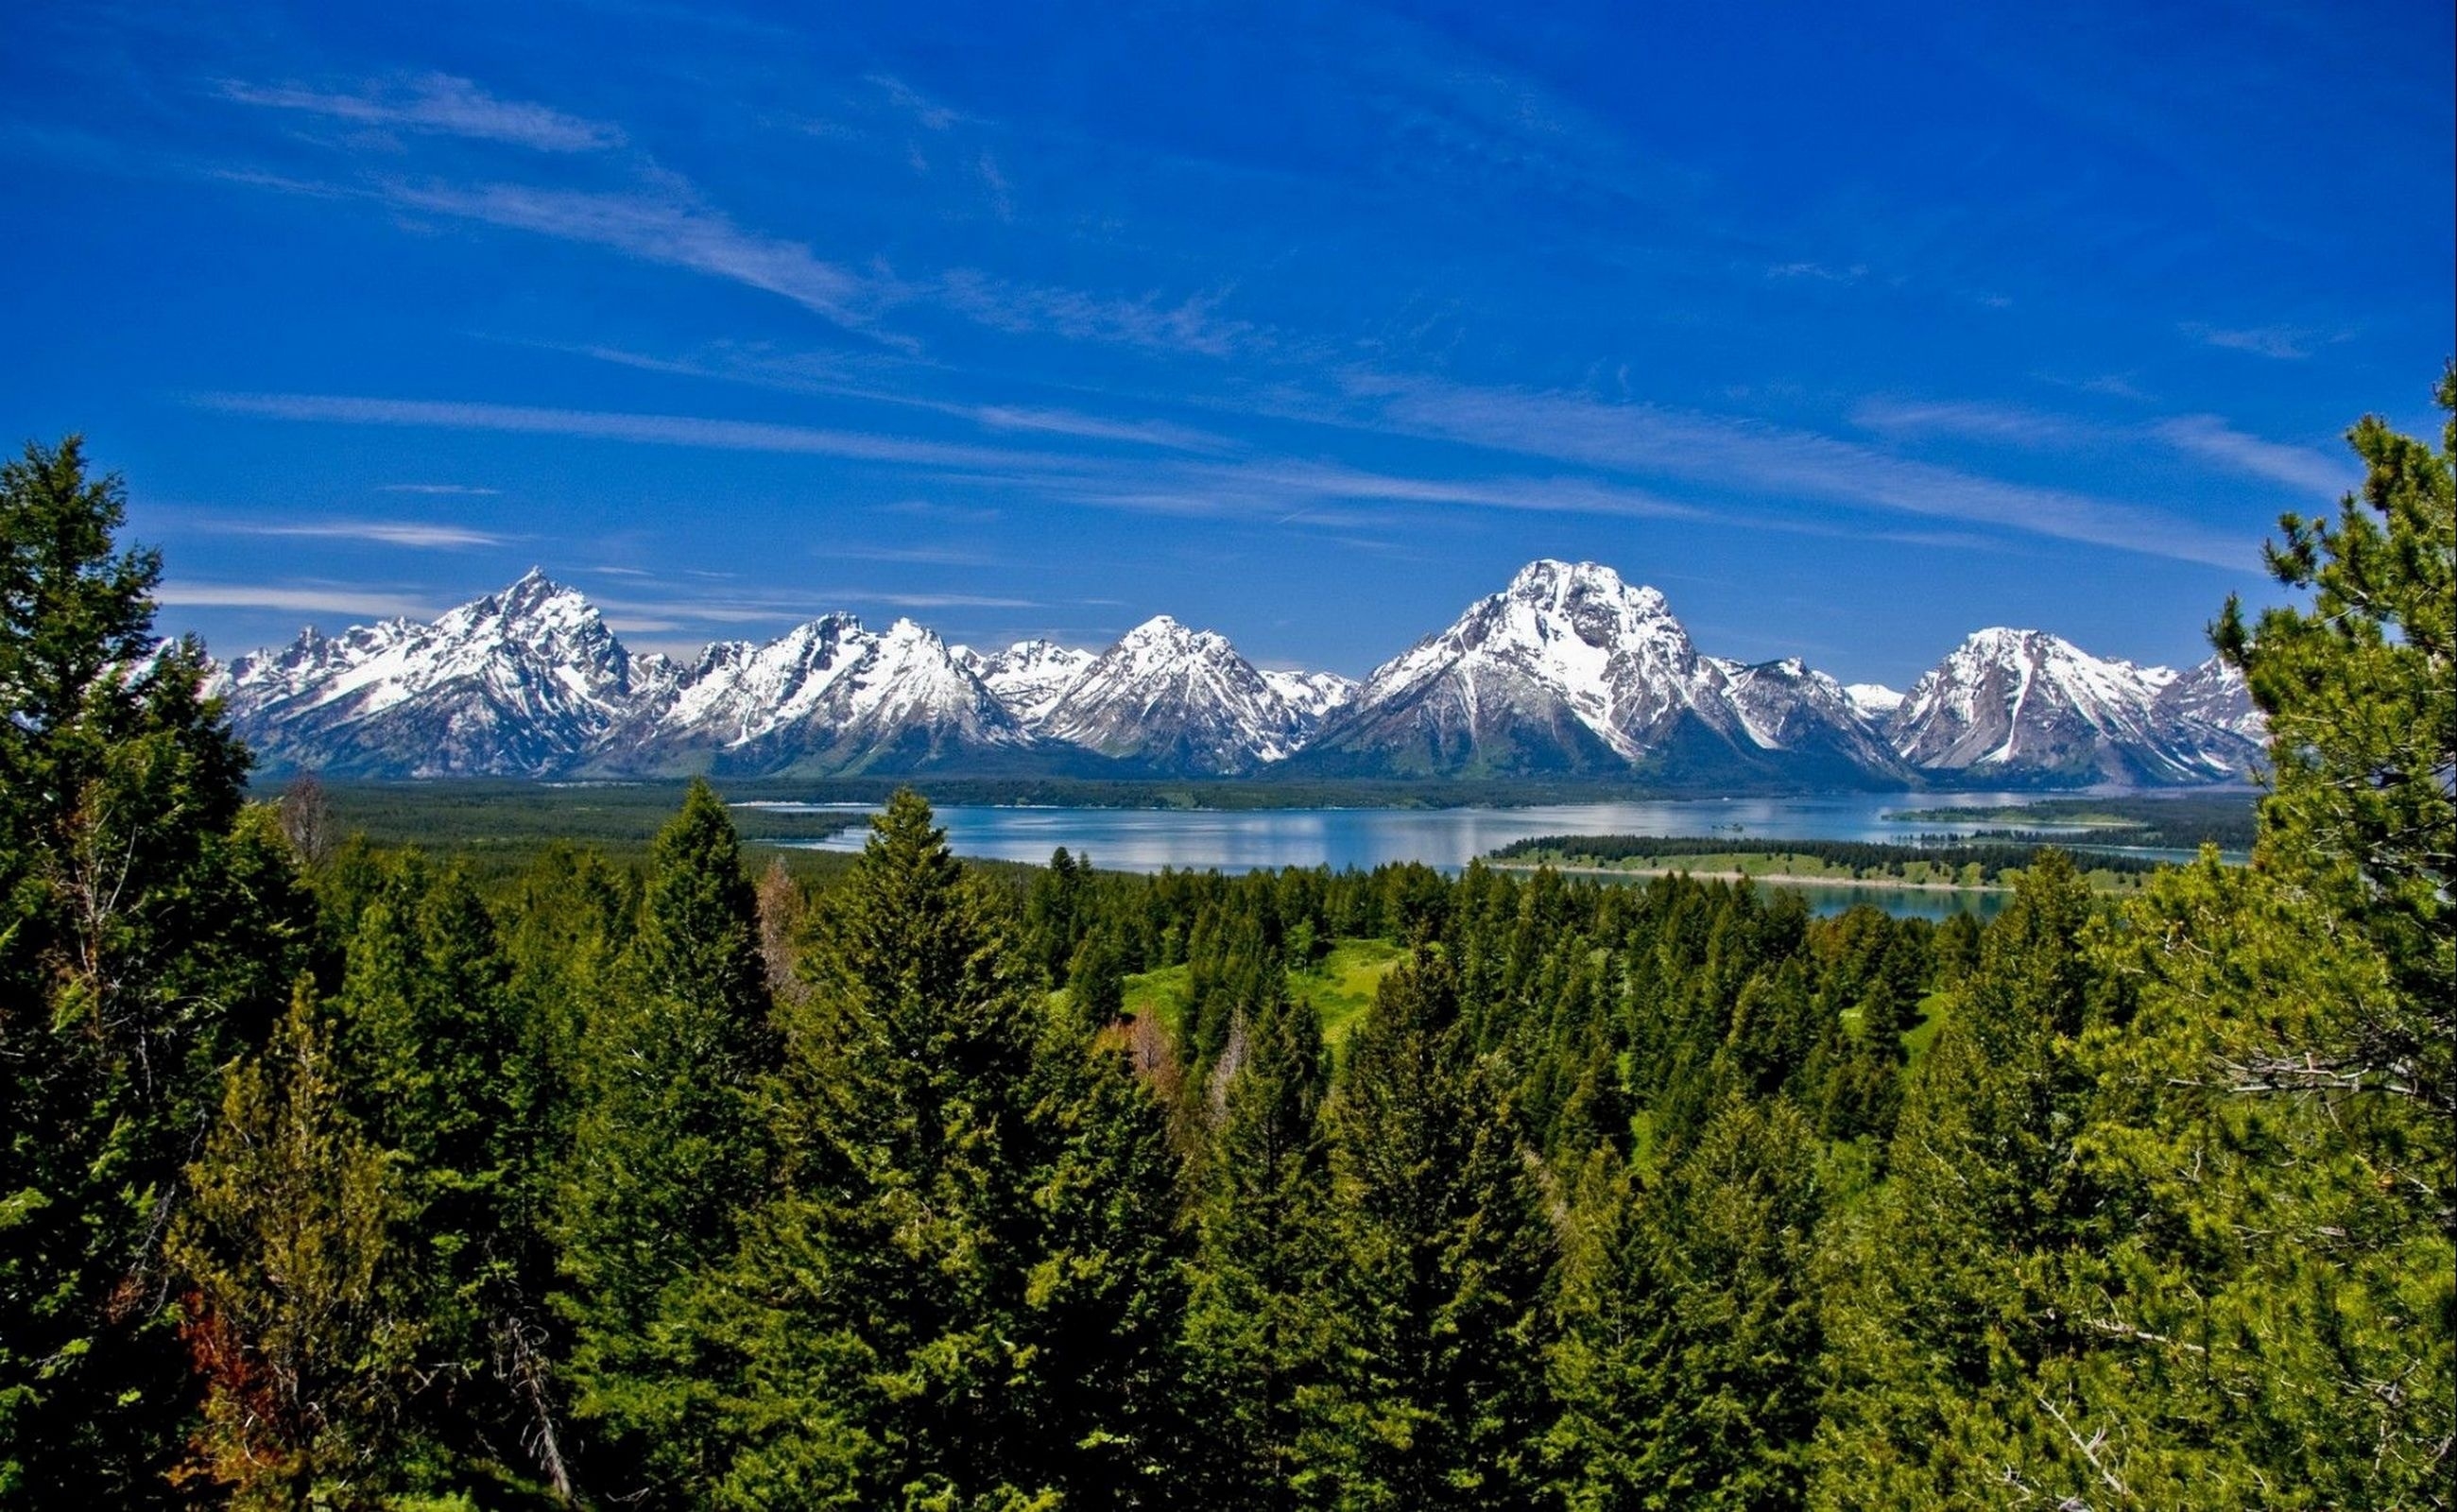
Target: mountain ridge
x,y
1569,671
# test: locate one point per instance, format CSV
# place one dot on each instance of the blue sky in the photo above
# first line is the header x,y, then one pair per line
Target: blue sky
x,y
1852,329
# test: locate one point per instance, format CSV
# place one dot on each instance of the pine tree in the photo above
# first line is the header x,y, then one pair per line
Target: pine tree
x,y
1258,1330
937,1310
1947,1304
303,1348
2360,695
669,1150
443,1076
149,932
1687,1366
1438,1401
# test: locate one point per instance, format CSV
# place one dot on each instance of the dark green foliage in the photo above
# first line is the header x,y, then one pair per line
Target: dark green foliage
x,y
1685,1371
147,934
1053,915
667,1153
1261,1327
1437,1398
1867,858
964,1294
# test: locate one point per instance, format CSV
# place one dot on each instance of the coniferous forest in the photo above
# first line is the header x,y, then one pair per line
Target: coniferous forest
x,y
338,1176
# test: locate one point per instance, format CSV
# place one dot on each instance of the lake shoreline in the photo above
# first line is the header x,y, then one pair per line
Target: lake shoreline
x,y
1748,877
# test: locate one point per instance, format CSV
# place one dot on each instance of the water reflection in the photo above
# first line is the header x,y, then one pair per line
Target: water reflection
x,y
1150,840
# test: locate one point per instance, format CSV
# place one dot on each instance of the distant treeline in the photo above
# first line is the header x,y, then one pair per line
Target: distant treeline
x,y
2167,822
1993,861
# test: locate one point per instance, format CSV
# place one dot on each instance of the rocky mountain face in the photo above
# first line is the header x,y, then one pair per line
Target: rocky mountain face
x,y
2029,705
1572,672
828,697
1028,677
526,682
1179,700
1568,671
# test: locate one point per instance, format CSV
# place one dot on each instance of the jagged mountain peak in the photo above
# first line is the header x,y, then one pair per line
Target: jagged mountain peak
x,y
1564,585
1569,669
2032,703
1177,698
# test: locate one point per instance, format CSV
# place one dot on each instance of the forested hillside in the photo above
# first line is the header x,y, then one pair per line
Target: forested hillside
x,y
344,1176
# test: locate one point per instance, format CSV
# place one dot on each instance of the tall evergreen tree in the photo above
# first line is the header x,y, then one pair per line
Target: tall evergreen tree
x,y
1948,1305
1438,1401
147,934
1259,1329
2360,695
667,1153
303,1348
1686,1370
445,1077
937,1310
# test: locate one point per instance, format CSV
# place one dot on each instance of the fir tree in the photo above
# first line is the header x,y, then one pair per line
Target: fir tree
x,y
960,1297
1948,1305
1258,1329
1439,1398
147,934
1686,1370
669,1150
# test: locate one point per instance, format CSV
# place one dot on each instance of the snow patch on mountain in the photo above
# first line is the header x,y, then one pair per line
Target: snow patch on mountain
x,y
1029,676
1874,700
2025,702
1177,698
1314,694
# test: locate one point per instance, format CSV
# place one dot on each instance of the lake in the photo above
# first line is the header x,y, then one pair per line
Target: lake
x,y
1246,839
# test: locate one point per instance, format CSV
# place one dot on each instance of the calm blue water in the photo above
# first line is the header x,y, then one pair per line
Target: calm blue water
x,y
1236,841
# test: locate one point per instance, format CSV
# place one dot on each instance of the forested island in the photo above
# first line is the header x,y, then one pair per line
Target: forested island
x,y
344,1174
1948,862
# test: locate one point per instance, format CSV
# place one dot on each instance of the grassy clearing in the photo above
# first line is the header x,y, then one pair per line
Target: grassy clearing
x,y
1161,992
1338,989
1917,1039
1342,986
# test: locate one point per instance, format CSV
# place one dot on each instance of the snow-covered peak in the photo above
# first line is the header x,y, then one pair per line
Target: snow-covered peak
x,y
1563,586
1874,700
1180,697
1314,694
1028,677
521,680
1612,653
2025,701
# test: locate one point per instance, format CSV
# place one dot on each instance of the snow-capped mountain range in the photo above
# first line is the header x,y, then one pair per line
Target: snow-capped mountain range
x,y
1567,672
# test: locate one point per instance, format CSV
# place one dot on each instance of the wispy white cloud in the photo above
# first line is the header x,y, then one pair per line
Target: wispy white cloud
x,y
925,111
438,489
824,373
2208,438
2299,467
443,104
1190,326
418,534
661,430
665,229
295,598
2012,424
933,557
2283,342
1777,460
